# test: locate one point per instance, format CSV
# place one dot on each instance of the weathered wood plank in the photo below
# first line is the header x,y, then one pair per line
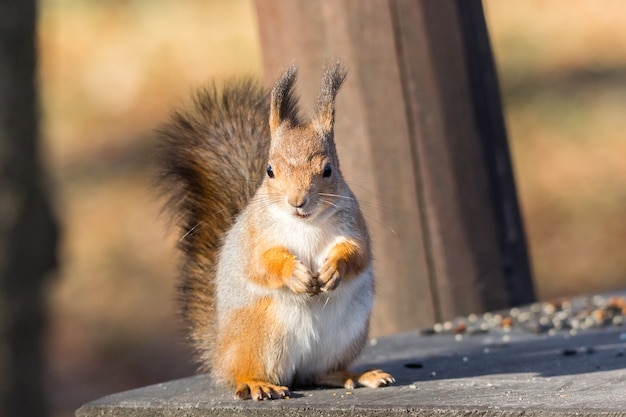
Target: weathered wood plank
x,y
503,372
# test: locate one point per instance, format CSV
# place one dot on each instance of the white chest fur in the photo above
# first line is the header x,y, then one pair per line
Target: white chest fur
x,y
318,333
320,330
309,242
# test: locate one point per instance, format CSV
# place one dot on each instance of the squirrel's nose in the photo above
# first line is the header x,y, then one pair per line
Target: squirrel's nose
x,y
298,201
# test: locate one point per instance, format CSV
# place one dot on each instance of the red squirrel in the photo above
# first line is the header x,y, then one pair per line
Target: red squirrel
x,y
277,281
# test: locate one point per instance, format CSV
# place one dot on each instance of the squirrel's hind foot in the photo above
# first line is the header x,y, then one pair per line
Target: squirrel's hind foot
x,y
375,378
349,380
260,390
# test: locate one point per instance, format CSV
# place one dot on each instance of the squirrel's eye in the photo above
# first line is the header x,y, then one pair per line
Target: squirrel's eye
x,y
270,171
327,171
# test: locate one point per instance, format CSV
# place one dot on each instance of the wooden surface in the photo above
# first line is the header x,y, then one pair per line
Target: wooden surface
x,y
422,142
494,372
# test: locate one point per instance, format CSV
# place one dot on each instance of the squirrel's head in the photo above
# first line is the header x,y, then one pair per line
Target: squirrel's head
x,y
303,173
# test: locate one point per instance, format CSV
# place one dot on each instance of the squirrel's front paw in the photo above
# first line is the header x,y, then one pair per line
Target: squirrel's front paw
x,y
302,280
329,276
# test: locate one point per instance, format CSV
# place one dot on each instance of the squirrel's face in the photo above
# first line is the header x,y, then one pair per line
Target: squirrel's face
x,y
303,177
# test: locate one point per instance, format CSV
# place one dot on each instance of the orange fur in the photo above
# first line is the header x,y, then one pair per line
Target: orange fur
x,y
242,349
345,260
277,267
279,263
349,257
242,341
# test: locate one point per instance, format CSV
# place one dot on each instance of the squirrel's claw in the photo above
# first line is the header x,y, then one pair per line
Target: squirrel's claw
x,y
302,281
258,390
375,378
329,277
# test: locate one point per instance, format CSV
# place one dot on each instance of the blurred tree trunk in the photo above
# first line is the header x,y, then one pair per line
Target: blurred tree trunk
x,y
27,228
420,129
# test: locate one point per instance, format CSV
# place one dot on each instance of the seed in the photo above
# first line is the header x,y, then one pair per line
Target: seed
x,y
506,322
460,328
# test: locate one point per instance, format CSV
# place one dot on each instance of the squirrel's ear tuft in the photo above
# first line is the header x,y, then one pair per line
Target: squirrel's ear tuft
x,y
284,103
331,82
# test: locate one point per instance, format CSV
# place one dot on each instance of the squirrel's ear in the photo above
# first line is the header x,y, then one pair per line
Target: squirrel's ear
x,y
284,103
331,82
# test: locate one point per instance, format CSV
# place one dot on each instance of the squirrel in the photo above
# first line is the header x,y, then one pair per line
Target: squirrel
x,y
277,281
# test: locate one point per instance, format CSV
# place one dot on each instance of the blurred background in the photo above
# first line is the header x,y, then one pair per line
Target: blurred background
x,y
109,73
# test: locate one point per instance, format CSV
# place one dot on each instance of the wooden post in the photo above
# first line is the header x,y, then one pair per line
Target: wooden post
x,y
422,141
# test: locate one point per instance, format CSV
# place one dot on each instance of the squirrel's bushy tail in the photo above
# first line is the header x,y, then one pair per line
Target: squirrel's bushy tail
x,y
213,159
